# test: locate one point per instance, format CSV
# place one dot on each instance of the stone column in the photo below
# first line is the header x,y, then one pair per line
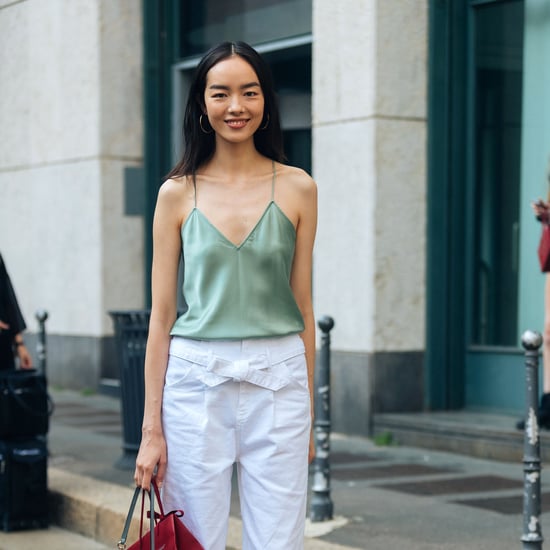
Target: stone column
x,y
369,160
70,122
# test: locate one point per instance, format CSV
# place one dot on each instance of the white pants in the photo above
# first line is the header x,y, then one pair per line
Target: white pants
x,y
244,402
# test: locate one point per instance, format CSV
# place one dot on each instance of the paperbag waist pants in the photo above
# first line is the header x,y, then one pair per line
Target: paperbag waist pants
x,y
245,402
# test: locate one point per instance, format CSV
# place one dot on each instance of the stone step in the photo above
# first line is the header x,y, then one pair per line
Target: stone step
x,y
482,435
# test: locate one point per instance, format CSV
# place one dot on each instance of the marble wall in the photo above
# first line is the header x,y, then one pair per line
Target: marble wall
x,y
70,122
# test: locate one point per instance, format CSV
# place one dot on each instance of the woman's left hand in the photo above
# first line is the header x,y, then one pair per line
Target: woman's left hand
x,y
25,359
540,208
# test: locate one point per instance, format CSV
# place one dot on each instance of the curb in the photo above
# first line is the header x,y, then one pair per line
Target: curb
x,y
97,510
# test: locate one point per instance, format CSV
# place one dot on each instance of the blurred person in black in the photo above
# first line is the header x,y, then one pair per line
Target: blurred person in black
x,y
12,326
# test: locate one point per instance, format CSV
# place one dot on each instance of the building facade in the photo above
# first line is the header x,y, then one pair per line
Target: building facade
x,y
72,122
424,124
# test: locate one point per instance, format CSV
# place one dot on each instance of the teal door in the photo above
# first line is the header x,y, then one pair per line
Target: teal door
x,y
493,377
478,211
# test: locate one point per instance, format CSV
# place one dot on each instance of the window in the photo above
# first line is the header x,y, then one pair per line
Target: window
x,y
206,23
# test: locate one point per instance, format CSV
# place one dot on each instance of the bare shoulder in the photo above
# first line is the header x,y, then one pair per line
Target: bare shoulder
x,y
176,189
296,194
296,181
176,196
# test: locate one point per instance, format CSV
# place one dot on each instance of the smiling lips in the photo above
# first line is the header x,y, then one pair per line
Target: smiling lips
x,y
236,123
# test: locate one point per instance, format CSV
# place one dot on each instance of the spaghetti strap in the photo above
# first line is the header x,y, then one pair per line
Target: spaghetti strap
x,y
195,188
273,181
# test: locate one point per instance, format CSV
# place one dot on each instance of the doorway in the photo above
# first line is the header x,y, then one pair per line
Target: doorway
x,y
473,356
495,73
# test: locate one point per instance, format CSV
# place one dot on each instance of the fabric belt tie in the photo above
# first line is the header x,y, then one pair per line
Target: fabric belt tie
x,y
258,371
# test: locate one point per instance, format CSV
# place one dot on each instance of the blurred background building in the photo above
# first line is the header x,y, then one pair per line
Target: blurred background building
x,y
426,124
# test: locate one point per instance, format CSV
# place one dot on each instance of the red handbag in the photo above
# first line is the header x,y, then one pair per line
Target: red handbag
x,y
168,532
544,248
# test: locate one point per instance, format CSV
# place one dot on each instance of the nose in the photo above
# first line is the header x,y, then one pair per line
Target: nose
x,y
235,105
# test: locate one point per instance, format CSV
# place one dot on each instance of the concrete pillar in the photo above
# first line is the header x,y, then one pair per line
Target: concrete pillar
x,y
369,160
70,122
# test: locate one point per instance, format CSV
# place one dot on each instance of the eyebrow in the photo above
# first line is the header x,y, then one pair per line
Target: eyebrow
x,y
243,87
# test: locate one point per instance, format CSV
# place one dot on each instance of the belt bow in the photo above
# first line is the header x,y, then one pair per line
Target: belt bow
x,y
258,371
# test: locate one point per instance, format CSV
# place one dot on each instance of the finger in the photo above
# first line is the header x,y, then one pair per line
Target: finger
x,y
146,481
137,477
161,474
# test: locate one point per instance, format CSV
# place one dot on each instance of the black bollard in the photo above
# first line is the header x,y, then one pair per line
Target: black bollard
x,y
41,316
532,534
321,504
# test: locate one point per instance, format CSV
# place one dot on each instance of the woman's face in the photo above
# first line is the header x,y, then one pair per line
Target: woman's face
x,y
233,99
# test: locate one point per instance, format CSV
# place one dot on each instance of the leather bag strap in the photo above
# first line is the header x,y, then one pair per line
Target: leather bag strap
x,y
159,500
152,518
121,545
122,542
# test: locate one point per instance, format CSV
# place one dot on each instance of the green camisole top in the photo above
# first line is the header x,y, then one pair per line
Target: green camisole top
x,y
237,292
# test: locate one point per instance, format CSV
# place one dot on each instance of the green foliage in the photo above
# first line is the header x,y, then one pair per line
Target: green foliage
x,y
383,439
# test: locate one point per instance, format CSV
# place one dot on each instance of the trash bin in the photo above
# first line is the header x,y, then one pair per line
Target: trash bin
x,y
131,328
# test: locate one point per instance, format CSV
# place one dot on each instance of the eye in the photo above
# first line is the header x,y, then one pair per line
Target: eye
x,y
218,95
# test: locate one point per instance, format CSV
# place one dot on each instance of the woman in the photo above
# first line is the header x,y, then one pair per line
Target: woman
x,y
12,326
541,210
230,381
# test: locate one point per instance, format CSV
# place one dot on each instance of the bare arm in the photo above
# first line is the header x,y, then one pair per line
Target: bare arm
x,y
25,359
166,252
302,273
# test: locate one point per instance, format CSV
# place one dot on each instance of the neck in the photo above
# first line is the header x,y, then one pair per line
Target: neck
x,y
235,158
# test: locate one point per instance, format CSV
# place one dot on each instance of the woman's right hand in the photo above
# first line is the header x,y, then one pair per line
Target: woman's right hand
x,y
151,455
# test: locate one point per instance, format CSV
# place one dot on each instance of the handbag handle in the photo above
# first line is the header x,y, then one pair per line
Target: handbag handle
x,y
159,500
121,545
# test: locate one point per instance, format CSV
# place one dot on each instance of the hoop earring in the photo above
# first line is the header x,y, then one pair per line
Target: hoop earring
x,y
264,127
202,128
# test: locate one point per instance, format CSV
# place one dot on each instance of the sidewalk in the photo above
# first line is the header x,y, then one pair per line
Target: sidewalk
x,y
385,498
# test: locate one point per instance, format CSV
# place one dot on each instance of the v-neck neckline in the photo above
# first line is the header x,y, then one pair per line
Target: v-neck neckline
x,y
266,209
251,232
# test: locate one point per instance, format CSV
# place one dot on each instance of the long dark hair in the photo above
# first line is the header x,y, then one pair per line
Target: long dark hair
x,y
200,146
